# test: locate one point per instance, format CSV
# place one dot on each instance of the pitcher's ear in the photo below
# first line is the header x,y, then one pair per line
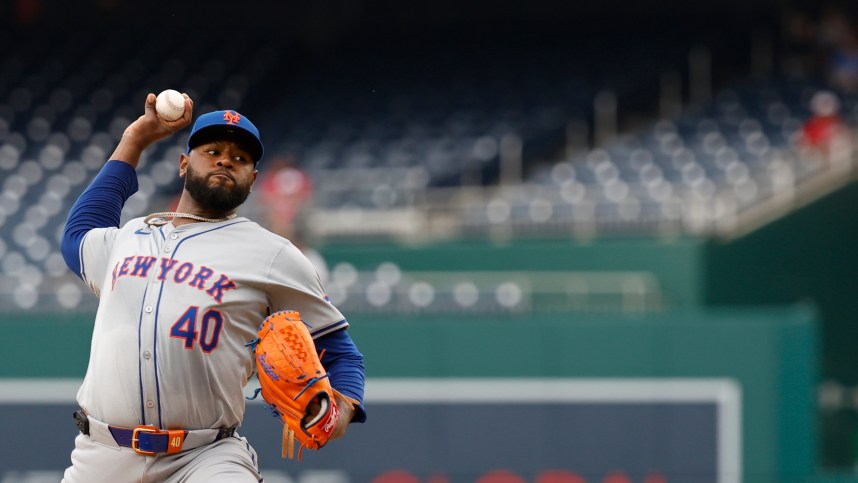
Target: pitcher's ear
x,y
183,164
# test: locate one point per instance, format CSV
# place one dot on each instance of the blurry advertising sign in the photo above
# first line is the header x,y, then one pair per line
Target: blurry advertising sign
x,y
475,430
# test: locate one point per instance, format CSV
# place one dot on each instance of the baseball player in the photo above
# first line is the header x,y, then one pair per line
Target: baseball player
x,y
180,296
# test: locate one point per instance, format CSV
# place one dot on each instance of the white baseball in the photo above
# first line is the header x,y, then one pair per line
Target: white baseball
x,y
170,105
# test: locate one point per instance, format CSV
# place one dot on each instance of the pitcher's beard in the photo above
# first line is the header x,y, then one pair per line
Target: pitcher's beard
x,y
214,199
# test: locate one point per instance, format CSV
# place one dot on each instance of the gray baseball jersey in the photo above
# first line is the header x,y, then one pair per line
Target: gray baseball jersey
x,y
178,305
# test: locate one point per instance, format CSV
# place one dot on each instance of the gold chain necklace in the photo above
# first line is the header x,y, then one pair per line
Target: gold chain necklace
x,y
158,219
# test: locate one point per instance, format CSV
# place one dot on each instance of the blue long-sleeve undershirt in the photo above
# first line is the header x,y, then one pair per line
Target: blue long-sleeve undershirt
x,y
344,363
99,206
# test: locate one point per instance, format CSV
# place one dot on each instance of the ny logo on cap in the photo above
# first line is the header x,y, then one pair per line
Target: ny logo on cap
x,y
231,117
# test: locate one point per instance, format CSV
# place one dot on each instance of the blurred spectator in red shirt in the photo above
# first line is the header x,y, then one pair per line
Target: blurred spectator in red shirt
x,y
284,192
825,132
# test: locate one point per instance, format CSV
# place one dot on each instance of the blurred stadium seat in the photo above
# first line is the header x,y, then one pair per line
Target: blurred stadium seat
x,y
416,153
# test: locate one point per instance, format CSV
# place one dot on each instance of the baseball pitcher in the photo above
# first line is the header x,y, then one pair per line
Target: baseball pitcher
x,y
192,303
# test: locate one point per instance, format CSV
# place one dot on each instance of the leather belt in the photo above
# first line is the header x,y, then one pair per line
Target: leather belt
x,y
149,440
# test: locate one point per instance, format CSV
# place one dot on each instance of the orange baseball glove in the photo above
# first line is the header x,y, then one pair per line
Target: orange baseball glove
x,y
294,383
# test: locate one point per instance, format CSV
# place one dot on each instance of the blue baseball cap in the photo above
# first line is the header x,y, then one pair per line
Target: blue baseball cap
x,y
219,125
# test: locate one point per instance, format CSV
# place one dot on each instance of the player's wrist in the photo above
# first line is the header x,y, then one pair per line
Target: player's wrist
x,y
346,407
347,411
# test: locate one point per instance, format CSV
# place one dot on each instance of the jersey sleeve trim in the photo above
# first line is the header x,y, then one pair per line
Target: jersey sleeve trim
x,y
329,328
82,273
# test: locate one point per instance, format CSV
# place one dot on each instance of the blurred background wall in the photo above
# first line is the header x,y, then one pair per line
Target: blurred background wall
x,y
583,191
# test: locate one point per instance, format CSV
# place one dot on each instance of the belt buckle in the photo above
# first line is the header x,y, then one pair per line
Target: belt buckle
x,y
135,438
